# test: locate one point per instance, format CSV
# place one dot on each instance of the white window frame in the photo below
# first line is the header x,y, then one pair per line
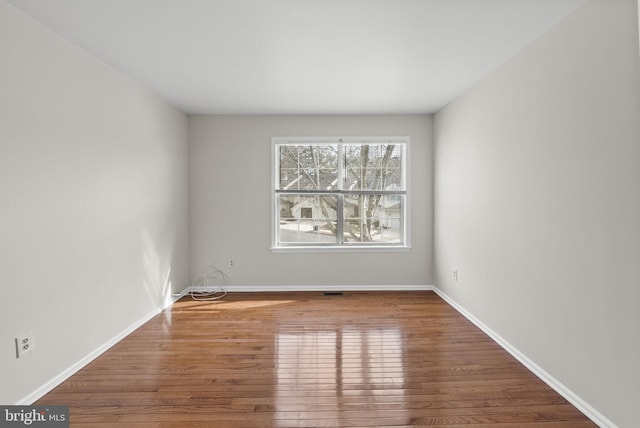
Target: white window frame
x,y
405,245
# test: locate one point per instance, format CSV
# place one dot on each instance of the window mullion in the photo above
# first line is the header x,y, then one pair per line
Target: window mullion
x,y
340,210
340,166
340,220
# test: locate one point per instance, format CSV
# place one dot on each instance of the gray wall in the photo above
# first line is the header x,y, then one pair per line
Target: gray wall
x,y
230,202
537,196
93,181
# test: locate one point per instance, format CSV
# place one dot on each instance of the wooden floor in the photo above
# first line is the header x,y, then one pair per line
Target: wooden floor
x,y
366,359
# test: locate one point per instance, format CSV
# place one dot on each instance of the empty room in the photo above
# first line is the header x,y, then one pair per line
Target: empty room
x,y
320,213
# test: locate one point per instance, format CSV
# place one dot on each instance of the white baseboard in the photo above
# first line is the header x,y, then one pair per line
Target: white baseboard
x,y
569,395
50,385
279,288
556,385
47,387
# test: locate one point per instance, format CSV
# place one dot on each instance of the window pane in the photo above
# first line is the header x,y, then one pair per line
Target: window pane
x,y
373,167
373,218
317,178
307,218
308,167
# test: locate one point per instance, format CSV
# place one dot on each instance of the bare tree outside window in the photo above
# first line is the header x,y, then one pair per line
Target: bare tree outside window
x,y
340,192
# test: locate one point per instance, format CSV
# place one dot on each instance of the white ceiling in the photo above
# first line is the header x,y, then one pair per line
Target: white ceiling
x,y
302,56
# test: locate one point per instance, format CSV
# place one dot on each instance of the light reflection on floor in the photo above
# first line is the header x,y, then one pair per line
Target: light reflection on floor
x,y
337,371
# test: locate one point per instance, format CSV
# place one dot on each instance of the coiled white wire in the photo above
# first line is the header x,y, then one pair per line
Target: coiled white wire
x,y
212,277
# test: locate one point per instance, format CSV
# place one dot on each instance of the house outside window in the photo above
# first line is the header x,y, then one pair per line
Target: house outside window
x,y
340,193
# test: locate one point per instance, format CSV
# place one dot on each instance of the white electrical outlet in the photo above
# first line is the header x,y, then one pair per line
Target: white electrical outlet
x,y
455,275
24,344
231,263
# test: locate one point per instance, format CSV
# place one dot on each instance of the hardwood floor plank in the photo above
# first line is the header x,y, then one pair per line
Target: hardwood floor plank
x,y
364,359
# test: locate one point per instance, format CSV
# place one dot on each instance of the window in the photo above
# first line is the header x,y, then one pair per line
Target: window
x,y
340,192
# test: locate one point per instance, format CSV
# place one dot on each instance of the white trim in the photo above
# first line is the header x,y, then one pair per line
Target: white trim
x,y
560,388
56,381
406,218
272,193
340,249
278,288
547,378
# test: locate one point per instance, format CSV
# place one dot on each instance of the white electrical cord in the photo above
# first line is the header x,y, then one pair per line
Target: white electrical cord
x,y
212,277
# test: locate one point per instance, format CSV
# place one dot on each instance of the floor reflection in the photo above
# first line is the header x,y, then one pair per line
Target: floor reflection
x,y
336,373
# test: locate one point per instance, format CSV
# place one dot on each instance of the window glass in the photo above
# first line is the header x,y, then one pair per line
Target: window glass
x,y
340,192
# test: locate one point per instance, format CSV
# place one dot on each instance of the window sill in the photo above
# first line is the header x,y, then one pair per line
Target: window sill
x,y
342,249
